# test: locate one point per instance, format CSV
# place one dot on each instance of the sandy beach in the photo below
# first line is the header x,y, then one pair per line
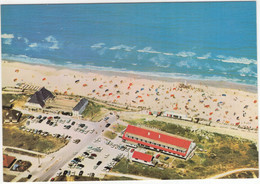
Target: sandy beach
x,y
216,104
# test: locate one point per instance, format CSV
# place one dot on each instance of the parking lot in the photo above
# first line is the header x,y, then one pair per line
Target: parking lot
x,y
59,127
96,158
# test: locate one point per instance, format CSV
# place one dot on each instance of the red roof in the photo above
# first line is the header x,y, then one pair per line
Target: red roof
x,y
142,156
164,138
7,160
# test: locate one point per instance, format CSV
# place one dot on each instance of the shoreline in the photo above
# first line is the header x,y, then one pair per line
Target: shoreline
x,y
132,74
212,102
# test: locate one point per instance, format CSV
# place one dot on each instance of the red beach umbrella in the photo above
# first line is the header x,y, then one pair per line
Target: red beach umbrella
x,y
255,101
84,85
142,100
110,94
15,79
44,79
16,70
118,96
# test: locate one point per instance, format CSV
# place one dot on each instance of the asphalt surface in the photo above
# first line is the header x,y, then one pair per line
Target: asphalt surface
x,y
53,162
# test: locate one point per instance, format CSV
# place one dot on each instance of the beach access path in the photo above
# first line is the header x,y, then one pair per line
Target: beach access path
x,y
232,172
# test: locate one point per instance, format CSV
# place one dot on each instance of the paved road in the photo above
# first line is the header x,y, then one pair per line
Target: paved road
x,y
65,154
232,172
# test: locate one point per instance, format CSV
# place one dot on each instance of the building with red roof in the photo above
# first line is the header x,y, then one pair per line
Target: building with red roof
x,y
8,161
142,158
164,142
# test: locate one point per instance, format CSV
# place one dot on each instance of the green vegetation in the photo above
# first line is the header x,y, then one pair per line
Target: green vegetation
x,y
19,99
110,134
14,137
75,178
216,154
8,177
109,178
247,174
93,111
144,170
118,127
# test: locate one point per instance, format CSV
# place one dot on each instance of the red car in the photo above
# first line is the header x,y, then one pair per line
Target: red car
x,y
132,150
50,117
52,179
157,156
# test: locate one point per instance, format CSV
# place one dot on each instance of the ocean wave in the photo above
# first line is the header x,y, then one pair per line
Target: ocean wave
x,y
32,45
148,50
97,45
161,61
7,38
185,54
183,63
206,56
168,54
123,47
247,71
242,60
102,51
51,39
26,59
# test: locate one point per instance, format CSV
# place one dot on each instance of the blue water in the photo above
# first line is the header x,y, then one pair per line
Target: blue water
x,y
208,41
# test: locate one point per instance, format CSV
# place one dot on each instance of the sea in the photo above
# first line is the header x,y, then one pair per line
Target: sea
x,y
211,41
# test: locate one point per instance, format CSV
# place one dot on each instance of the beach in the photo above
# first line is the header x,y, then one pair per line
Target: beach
x,y
234,106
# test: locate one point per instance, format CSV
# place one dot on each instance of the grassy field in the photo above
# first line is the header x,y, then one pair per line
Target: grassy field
x,y
94,112
247,174
118,127
109,178
86,178
14,137
110,134
19,99
216,154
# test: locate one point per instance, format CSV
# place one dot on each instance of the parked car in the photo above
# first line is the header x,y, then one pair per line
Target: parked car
x,y
52,179
65,172
166,158
81,173
157,156
99,162
132,150
73,123
94,154
107,125
76,141
29,176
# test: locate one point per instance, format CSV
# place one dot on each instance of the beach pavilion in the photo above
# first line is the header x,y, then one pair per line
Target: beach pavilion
x,y
159,141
